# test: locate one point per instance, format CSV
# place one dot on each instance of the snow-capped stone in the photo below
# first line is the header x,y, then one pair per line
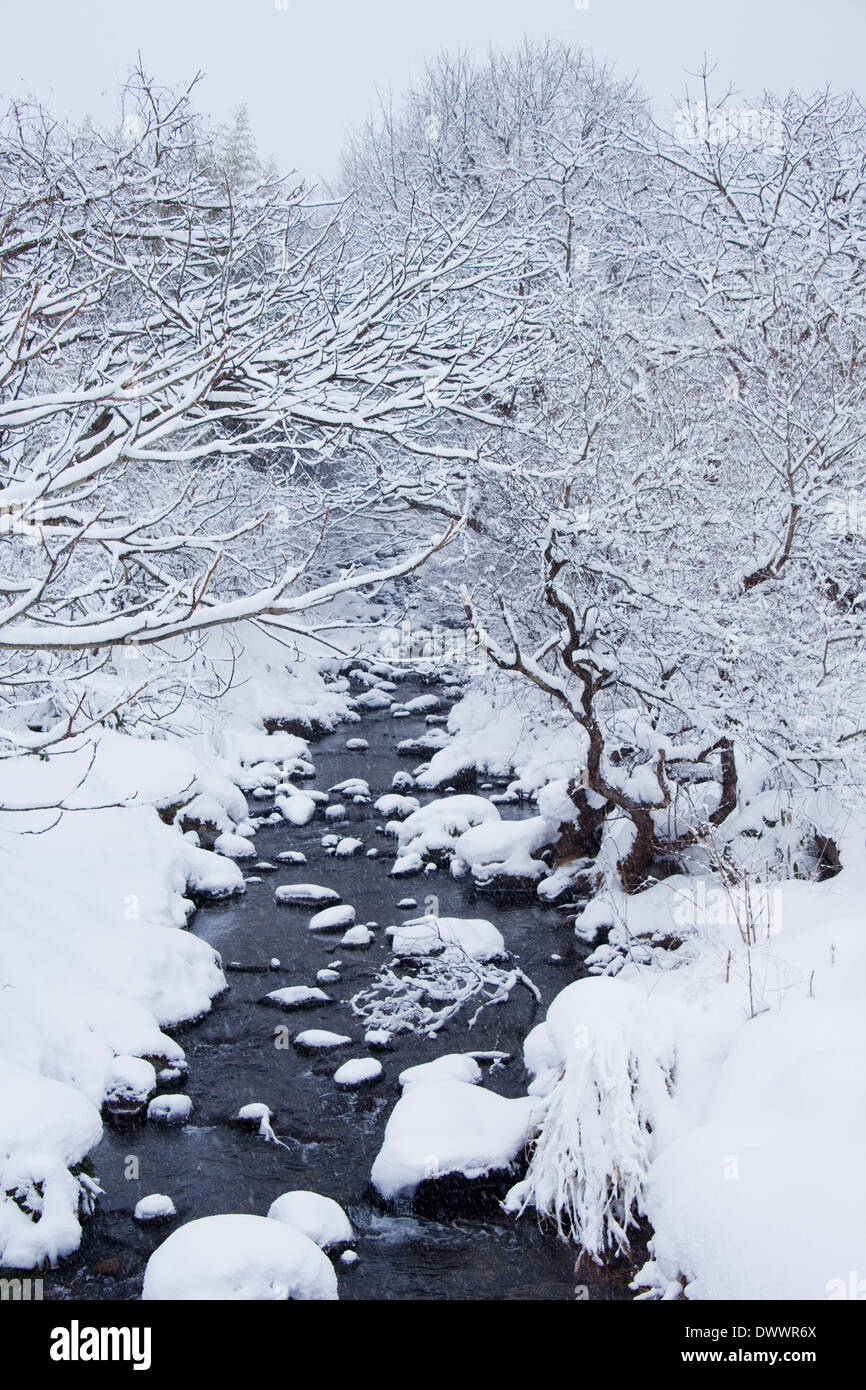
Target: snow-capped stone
x,y
353,786
421,704
169,1109
357,936
132,1080
292,856
503,850
374,699
424,936
356,744
347,847
254,1112
297,809
455,1066
335,812
303,894
156,1207
238,1257
358,1072
234,846
330,918
298,997
349,1257
318,1039
328,977
437,828
393,804
408,902
405,865
446,1126
319,1218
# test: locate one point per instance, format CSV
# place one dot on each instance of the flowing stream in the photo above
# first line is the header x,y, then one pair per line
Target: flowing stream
x,y
459,1248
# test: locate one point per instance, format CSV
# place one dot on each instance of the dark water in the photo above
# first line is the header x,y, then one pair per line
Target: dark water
x,y
210,1165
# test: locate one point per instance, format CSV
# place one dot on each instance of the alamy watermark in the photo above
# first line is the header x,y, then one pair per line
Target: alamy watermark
x,y
22,519
846,516
715,906
20,1290
437,646
753,126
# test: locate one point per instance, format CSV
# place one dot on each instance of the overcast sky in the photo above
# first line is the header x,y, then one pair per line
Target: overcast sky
x,y
310,71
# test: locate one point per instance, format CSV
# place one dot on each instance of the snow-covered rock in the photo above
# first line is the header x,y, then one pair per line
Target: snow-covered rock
x,y
238,1257
298,997
357,936
436,828
503,850
319,1039
304,894
442,1126
393,804
235,846
424,936
297,809
172,1109
330,918
455,1066
319,1218
359,1071
156,1207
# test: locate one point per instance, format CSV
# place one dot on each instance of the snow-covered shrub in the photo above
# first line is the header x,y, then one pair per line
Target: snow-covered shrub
x,y
615,1062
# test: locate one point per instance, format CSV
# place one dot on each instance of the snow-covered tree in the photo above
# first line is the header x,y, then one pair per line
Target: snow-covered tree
x,y
180,359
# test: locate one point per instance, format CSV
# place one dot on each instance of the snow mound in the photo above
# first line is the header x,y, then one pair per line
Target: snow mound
x,y
315,1039
454,1066
238,1257
504,849
302,894
321,1219
448,1126
45,1128
298,996
170,1109
358,1071
393,804
435,829
297,808
423,936
156,1207
332,917
357,936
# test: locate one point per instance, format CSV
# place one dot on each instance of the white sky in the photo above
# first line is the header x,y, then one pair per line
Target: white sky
x,y
312,70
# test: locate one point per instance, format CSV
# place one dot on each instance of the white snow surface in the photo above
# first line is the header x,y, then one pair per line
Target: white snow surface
x,y
422,936
238,1257
320,1218
441,1126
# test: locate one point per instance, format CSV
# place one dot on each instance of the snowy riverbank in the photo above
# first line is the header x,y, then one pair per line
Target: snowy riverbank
x,y
683,1080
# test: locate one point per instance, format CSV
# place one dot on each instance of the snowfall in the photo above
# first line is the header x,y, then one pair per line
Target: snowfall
x,y
709,1080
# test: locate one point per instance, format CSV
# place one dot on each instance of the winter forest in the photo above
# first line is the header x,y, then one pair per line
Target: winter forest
x,y
432,735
